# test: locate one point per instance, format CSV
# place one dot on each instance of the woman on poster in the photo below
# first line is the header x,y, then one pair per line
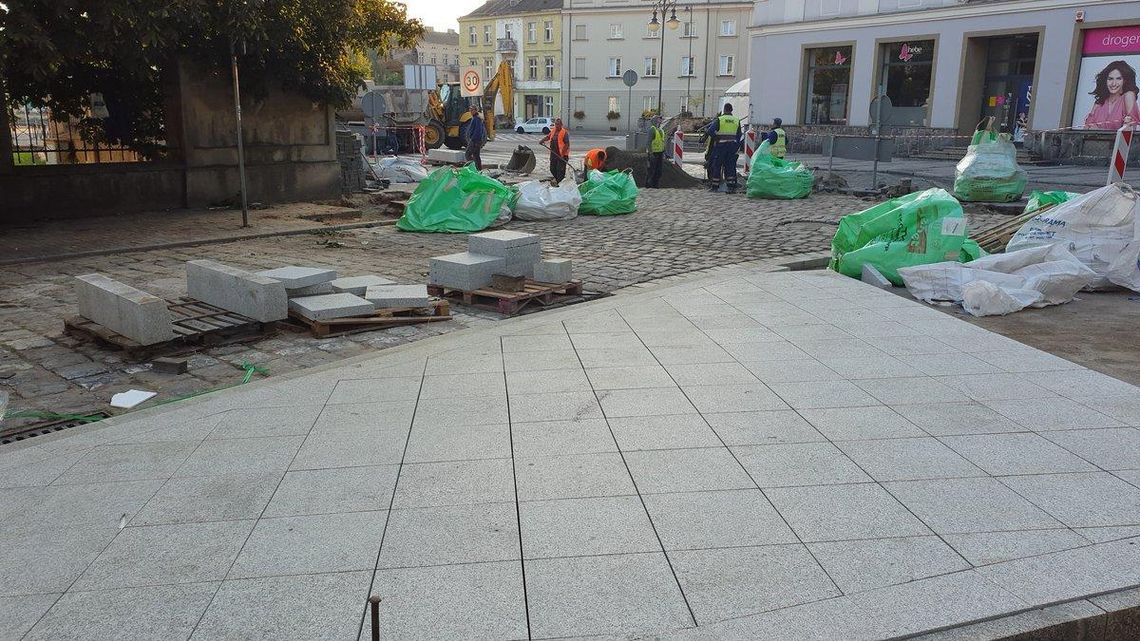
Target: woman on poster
x,y
1115,98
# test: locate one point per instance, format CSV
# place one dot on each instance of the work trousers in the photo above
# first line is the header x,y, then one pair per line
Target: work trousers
x,y
557,167
472,154
656,162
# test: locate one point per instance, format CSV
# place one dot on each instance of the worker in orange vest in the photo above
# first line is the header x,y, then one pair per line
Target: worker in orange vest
x,y
559,147
596,159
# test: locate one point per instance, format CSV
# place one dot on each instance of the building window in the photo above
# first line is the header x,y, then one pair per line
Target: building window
x,y
615,67
688,30
548,30
726,64
548,105
471,62
687,66
433,58
651,66
579,103
615,31
486,34
487,68
532,68
507,31
473,39
549,68
828,83
531,32
423,57
579,67
728,27
906,70
580,32
648,102
685,105
613,104
652,33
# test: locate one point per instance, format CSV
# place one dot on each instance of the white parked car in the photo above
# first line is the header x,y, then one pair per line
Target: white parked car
x,y
534,126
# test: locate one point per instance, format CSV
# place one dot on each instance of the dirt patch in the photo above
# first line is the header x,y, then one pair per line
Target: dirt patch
x,y
672,176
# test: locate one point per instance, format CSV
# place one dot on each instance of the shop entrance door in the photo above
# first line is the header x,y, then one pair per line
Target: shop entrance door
x,y
533,106
1008,90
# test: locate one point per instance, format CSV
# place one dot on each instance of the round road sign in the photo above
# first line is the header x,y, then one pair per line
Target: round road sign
x,y
471,80
629,77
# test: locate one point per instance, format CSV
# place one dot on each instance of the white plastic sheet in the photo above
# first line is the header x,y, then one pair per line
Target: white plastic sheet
x,y
399,169
1099,228
539,201
1033,277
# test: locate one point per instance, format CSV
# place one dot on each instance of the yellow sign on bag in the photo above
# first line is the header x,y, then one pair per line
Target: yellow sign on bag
x,y
471,82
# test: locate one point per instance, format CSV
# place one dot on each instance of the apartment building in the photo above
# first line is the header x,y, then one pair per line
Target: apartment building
x,y
441,49
1034,65
527,34
684,60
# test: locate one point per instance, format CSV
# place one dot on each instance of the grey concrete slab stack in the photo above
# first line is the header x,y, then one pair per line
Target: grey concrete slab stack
x,y
329,306
237,290
139,316
311,290
388,296
294,277
554,270
358,285
520,251
465,270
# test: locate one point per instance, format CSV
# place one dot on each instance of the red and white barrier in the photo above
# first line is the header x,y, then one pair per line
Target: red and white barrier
x,y
1118,162
749,149
678,147
421,143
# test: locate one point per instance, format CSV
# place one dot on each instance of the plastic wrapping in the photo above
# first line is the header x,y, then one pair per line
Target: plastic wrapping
x,y
539,201
989,171
608,194
400,169
772,177
456,201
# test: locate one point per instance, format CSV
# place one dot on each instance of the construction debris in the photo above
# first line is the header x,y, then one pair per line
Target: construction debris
x,y
672,176
131,398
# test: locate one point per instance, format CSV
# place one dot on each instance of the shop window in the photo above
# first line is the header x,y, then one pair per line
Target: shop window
x,y
828,82
906,70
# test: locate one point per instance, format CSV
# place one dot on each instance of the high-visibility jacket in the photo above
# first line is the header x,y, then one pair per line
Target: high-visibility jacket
x,y
780,147
559,142
657,142
596,159
727,129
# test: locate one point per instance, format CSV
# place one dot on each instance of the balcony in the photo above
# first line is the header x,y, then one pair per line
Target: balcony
x,y
507,47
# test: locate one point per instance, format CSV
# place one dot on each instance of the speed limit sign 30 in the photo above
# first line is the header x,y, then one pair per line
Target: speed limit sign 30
x,y
471,82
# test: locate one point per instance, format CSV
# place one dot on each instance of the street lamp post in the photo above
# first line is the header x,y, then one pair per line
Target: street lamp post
x,y
670,7
240,145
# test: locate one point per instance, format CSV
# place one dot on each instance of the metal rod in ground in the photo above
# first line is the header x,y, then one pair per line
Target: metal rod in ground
x,y
374,602
240,146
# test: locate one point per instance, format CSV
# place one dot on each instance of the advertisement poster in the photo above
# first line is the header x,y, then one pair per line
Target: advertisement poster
x,y
1106,95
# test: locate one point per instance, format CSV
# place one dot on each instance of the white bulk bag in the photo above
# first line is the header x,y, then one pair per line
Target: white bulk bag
x,y
539,201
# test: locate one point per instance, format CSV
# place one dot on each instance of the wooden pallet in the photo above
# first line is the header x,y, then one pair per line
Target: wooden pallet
x,y
195,324
438,310
511,303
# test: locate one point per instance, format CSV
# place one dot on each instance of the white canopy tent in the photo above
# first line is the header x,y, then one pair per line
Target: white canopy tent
x,y
740,97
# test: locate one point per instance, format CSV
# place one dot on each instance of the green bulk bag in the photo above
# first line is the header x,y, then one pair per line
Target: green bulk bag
x,y
455,201
989,172
1041,199
916,229
608,194
772,177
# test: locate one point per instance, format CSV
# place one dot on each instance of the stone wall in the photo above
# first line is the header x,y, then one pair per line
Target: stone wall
x,y
1077,147
909,141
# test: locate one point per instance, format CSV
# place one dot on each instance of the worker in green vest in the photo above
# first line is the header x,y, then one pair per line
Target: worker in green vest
x,y
777,139
656,152
725,132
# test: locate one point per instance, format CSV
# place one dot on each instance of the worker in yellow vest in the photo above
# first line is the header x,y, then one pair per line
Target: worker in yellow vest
x,y
656,152
777,139
725,132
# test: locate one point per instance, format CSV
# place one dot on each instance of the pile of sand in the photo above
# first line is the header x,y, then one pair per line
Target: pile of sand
x,y
672,176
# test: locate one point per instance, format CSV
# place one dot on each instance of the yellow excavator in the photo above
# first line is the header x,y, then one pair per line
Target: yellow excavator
x,y
449,108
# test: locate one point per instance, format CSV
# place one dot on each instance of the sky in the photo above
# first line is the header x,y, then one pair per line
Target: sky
x,y
441,14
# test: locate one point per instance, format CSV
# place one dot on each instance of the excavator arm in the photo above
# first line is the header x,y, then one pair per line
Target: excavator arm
x,y
503,84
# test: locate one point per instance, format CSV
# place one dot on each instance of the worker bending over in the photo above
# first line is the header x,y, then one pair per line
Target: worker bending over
x,y
777,139
596,159
725,134
559,147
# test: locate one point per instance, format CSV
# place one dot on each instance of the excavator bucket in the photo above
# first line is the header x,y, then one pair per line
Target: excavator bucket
x,y
522,160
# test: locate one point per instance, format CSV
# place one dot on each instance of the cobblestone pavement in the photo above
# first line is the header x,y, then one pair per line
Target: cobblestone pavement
x,y
674,232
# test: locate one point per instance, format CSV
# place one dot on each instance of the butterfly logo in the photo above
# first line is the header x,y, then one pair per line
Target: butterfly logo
x,y
905,54
840,58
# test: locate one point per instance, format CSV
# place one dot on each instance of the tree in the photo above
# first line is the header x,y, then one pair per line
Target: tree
x,y
56,53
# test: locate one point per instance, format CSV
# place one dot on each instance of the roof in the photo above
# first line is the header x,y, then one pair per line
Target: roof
x,y
440,38
511,7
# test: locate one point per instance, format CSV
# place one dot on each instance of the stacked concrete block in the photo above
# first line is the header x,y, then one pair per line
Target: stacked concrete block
x,y
294,277
330,306
519,251
311,290
351,164
451,156
554,270
465,270
389,296
357,285
237,290
119,307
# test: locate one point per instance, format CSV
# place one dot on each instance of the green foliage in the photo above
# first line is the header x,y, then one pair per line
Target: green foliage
x,y
55,53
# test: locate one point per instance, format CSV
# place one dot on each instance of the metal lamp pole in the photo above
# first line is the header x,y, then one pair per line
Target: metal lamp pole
x,y
240,145
654,25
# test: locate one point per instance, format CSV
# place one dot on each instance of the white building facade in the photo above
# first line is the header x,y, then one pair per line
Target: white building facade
x,y
689,65
945,64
